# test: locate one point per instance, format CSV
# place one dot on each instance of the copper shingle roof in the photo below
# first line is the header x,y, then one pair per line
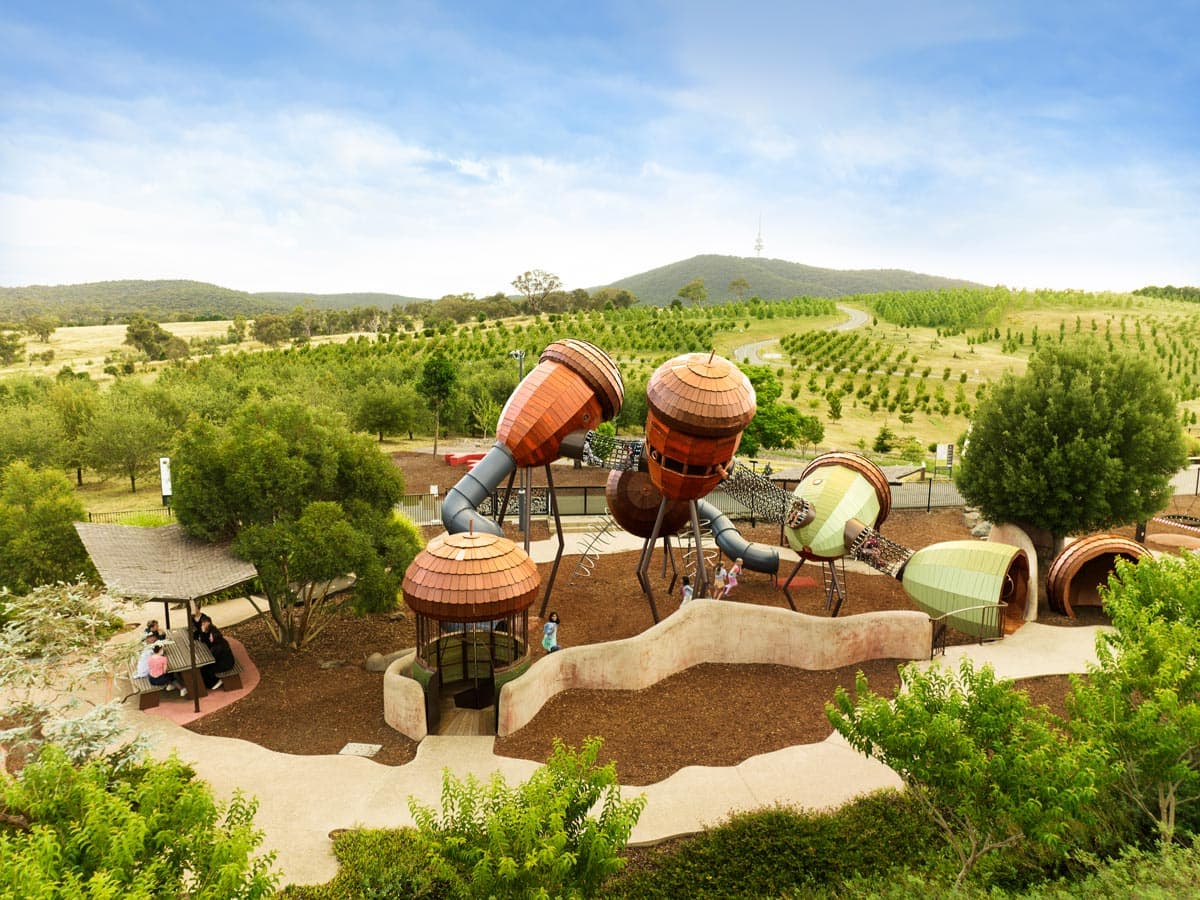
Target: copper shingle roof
x,y
701,393
470,578
161,563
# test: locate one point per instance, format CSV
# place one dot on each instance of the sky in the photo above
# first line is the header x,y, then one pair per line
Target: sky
x,y
429,148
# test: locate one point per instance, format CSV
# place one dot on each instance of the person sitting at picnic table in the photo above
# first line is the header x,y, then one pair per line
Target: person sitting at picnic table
x,y
223,661
153,628
158,674
197,618
149,642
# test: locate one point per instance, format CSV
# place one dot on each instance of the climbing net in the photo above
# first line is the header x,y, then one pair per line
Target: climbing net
x,y
764,498
607,452
878,552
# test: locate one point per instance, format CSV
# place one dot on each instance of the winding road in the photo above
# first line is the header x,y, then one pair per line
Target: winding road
x,y
756,353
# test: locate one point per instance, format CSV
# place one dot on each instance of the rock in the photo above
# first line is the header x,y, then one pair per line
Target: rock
x,y
378,662
982,530
331,663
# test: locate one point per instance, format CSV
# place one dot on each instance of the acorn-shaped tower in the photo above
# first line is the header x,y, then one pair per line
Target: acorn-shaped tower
x,y
699,403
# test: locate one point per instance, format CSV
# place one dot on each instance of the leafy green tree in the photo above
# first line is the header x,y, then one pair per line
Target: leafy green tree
x,y
539,839
306,501
75,401
38,541
32,433
834,399
43,326
127,435
535,286
738,287
383,407
1086,439
1140,702
270,329
438,379
154,340
236,333
885,440
143,832
10,347
988,767
694,292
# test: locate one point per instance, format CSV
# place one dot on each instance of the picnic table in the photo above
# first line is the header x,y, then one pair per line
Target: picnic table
x,y
179,659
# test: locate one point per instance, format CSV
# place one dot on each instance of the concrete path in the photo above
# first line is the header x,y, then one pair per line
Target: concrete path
x,y
303,798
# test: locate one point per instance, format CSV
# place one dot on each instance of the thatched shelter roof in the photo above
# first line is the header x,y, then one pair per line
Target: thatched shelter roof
x,y
161,563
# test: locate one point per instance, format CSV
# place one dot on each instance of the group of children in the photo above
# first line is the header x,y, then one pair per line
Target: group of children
x,y
152,660
724,581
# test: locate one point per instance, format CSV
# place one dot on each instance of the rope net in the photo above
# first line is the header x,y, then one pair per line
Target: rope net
x,y
607,452
878,552
764,498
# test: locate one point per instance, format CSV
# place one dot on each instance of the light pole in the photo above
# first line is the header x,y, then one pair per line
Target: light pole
x,y
523,498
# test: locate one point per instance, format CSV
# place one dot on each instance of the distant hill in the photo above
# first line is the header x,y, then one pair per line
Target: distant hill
x,y
104,302
774,278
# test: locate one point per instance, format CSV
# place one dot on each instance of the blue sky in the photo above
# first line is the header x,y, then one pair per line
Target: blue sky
x,y
426,148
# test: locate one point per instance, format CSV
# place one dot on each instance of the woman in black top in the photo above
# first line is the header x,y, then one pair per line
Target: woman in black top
x,y
211,637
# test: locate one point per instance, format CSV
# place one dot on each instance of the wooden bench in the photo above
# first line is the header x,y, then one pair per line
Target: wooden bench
x,y
147,693
231,680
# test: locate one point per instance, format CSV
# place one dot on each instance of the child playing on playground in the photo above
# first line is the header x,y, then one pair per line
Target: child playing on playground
x,y
731,579
550,633
687,591
719,578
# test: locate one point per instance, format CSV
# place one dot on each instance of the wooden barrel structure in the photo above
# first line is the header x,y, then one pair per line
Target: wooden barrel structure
x,y
633,501
470,593
574,387
698,405
1076,574
839,486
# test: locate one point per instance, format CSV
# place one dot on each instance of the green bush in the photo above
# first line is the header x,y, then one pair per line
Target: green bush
x,y
144,831
767,853
534,840
379,864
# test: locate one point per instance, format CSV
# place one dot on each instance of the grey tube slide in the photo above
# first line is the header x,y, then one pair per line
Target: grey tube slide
x,y
460,508
755,557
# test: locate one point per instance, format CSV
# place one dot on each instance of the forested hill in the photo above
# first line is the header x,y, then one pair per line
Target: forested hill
x,y
104,302
774,278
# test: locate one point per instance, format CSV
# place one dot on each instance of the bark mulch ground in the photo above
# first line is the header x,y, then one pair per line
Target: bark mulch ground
x,y
315,701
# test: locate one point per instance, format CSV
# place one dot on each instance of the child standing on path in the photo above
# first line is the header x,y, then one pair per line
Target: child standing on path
x,y
732,579
550,633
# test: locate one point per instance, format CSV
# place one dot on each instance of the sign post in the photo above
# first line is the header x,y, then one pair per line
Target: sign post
x,y
164,471
944,459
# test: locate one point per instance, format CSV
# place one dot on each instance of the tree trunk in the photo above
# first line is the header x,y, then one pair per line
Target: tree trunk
x,y
79,476
1048,546
437,427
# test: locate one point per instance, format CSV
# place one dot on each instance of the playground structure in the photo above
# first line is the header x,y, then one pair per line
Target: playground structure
x,y
698,405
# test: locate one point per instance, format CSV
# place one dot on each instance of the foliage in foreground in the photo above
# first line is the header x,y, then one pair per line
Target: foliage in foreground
x,y
1141,701
768,852
539,839
559,834
54,640
988,767
144,831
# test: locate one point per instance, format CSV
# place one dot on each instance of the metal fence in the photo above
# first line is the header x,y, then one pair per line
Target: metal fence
x,y
120,515
426,509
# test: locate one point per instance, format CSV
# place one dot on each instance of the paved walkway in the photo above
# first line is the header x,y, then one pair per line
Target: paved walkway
x,y
303,798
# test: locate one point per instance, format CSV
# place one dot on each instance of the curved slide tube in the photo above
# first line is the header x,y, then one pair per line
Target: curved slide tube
x,y
755,557
460,508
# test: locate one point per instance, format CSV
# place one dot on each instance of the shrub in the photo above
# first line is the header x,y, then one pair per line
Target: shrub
x,y
537,839
379,864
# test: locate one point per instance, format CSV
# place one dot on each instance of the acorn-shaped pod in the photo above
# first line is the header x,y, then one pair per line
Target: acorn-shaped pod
x,y
839,487
470,577
1076,574
966,579
633,501
698,405
574,387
